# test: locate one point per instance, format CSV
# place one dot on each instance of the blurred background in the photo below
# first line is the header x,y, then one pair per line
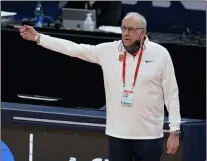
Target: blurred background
x,y
162,16
60,101
178,25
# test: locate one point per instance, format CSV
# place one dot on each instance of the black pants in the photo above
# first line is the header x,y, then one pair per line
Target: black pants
x,y
135,150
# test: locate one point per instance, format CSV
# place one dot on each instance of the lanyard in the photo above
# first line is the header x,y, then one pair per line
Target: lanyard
x,y
137,68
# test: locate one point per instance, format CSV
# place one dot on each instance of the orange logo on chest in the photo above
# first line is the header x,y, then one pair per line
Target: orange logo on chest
x,y
121,57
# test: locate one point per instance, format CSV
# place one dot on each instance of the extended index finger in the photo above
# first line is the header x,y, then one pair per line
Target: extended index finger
x,y
19,27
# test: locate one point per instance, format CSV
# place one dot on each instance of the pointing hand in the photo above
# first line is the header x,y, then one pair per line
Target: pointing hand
x,y
27,32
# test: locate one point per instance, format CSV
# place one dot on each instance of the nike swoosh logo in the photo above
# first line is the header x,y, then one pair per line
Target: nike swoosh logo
x,y
148,61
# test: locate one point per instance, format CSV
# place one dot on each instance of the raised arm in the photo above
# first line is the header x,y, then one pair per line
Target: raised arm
x,y
85,52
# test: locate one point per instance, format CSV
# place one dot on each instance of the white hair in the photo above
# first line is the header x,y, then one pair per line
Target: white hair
x,y
141,18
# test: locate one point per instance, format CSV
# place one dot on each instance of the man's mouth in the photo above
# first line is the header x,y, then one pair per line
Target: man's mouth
x,y
127,39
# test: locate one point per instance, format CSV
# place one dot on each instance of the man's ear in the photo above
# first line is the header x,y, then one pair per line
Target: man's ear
x,y
145,31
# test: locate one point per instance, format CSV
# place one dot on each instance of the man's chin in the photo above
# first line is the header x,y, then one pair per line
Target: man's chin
x,y
127,44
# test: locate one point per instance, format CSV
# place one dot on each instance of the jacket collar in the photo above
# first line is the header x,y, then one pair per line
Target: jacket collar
x,y
148,53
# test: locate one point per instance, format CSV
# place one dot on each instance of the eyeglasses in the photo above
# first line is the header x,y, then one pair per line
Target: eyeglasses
x,y
130,29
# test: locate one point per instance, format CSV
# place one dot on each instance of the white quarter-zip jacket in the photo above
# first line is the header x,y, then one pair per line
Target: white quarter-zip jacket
x,y
156,85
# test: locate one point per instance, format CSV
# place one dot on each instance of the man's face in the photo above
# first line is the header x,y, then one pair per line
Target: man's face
x,y
131,30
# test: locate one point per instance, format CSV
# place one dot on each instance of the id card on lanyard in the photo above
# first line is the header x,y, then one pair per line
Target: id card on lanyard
x,y
127,94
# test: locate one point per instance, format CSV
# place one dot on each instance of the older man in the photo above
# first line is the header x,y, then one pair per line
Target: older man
x,y
139,78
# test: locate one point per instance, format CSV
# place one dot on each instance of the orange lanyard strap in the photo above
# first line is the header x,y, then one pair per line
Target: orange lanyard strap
x,y
136,71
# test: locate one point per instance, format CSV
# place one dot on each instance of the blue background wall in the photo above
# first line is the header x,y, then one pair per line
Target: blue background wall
x,y
160,19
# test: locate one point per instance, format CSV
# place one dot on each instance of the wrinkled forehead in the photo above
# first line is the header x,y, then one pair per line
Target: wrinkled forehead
x,y
131,21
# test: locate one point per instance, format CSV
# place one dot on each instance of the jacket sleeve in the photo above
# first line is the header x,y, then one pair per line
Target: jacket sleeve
x,y
85,52
170,89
